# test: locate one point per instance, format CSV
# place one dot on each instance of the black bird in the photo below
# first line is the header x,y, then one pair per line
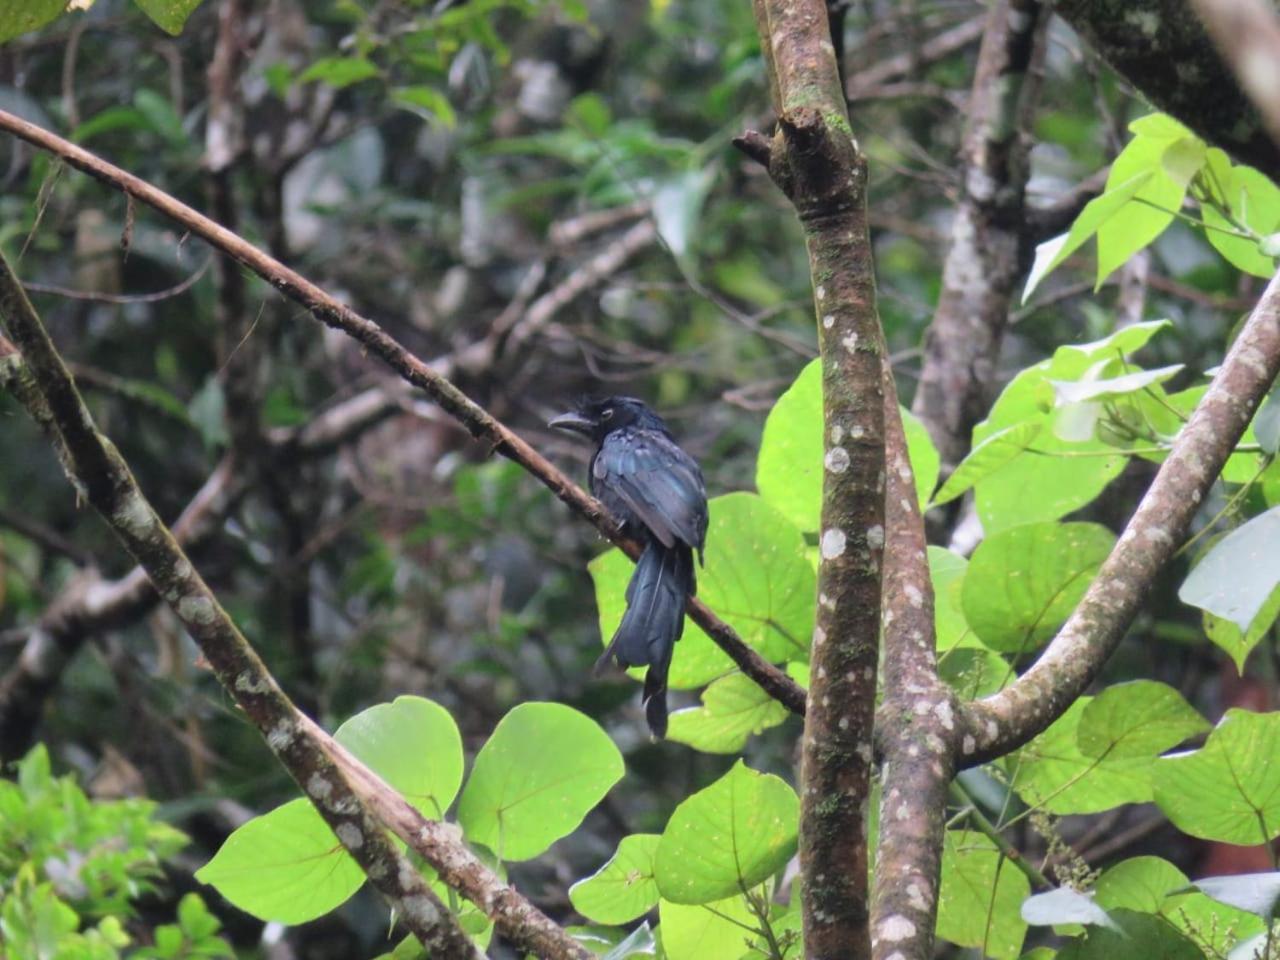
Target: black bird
x,y
656,490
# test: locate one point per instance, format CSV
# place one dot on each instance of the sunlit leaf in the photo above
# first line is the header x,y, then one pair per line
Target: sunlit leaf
x,y
727,837
734,708
624,888
543,769
979,897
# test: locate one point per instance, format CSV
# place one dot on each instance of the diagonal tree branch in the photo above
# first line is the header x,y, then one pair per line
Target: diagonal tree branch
x,y
478,421
1006,720
338,786
815,160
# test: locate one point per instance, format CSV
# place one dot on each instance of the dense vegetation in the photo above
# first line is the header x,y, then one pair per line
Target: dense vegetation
x,y
542,199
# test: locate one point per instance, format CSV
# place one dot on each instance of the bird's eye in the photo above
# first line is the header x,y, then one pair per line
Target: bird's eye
x,y
607,415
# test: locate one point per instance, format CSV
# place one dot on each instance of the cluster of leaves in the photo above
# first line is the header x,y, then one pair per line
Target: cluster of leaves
x,y
734,836
71,868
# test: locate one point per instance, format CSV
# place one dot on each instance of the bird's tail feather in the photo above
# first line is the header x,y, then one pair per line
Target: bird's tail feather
x,y
653,621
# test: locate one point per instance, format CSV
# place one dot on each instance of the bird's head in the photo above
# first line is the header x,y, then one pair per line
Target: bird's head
x,y
597,417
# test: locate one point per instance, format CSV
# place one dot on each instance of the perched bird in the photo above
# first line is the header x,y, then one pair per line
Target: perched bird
x,y
656,489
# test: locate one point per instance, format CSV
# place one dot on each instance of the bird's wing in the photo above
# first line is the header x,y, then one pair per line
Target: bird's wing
x,y
658,482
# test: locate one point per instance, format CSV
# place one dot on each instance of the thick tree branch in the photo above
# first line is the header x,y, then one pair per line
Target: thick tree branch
x,y
985,256
815,160
915,724
1008,719
1161,47
478,421
1247,34
339,787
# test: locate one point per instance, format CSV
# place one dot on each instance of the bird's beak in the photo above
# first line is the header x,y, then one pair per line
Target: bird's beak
x,y
573,422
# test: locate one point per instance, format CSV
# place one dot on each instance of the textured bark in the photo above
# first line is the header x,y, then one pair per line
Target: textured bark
x,y
986,256
477,421
815,160
1006,720
1161,47
915,725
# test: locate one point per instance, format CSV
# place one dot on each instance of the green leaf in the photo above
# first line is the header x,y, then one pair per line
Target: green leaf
x,y
756,577
1141,718
1097,212
1023,583
926,464
1053,773
536,778
710,931
168,15
22,16
734,708
979,897
1237,643
1228,790
624,888
974,671
789,469
1254,202
1152,208
727,837
1153,885
1053,476
947,573
988,457
1138,935
285,865
1236,578
414,745
428,102
340,72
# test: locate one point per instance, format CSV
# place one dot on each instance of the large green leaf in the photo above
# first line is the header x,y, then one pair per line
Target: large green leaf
x,y
1254,201
789,470
1153,207
413,744
168,15
1228,790
21,16
727,837
1142,718
285,866
709,931
988,457
1052,476
623,888
1153,885
1236,578
1052,772
980,894
734,707
1023,583
536,778
756,577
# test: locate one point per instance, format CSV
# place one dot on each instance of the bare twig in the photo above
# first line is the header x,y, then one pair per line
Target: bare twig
x,y
478,421
932,50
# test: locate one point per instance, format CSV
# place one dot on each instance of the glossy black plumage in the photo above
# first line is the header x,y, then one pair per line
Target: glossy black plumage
x,y
657,490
